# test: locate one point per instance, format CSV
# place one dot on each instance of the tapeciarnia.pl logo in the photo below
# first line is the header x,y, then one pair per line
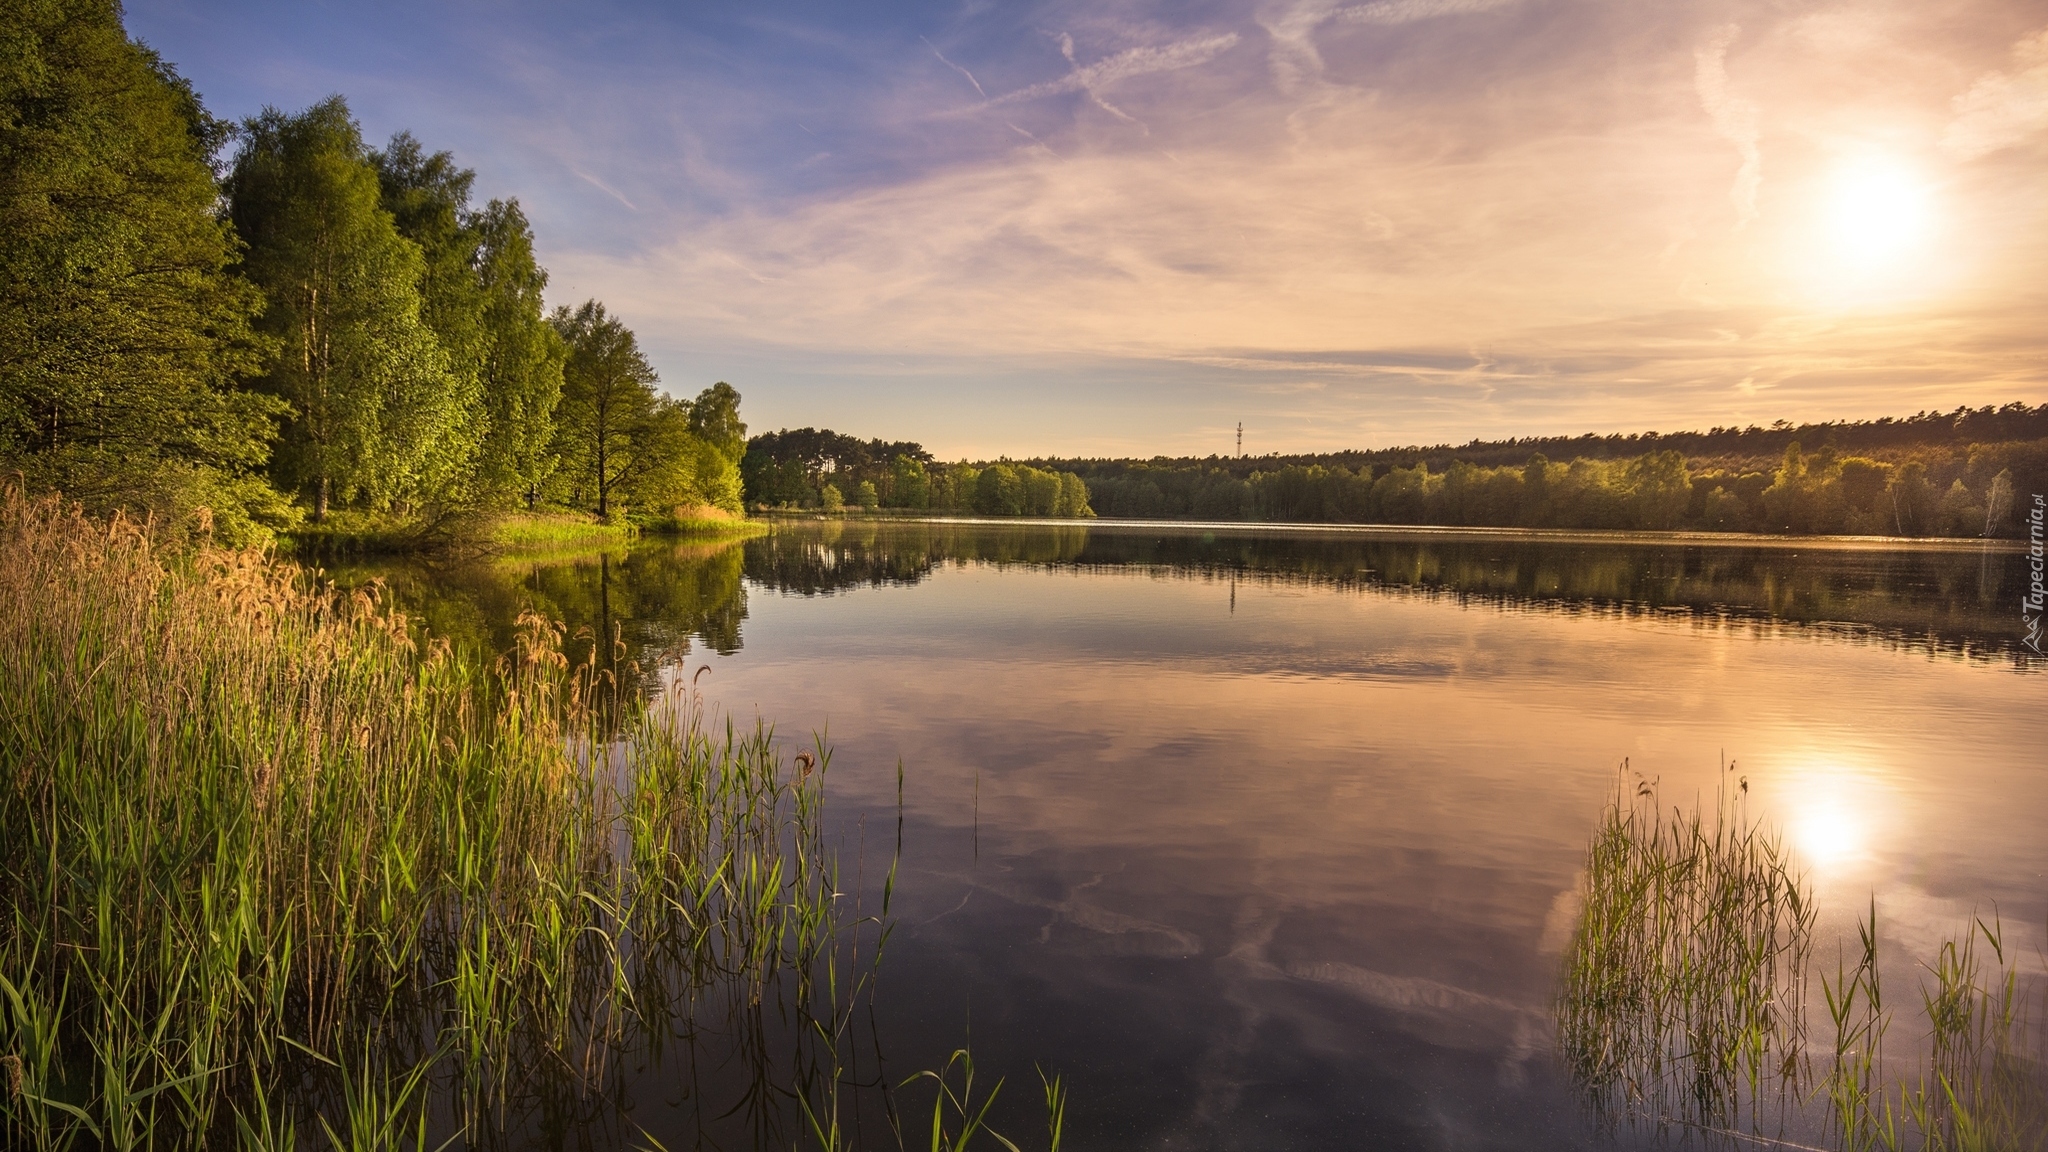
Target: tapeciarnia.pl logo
x,y
2031,605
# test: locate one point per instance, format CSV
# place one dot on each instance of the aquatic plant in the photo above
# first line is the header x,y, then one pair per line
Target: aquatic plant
x,y
1683,989
1984,1081
272,859
1682,1001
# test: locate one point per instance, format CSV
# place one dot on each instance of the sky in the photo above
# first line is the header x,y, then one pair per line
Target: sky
x,y
1123,228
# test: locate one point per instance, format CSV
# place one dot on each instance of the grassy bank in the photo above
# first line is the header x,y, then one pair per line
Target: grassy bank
x,y
346,535
272,865
544,532
703,521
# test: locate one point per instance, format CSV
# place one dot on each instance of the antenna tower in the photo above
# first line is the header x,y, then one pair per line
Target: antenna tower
x,y
1240,437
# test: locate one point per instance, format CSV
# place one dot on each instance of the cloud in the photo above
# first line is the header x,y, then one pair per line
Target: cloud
x,y
2001,109
955,67
607,189
1296,62
1144,61
1292,53
1394,12
1734,118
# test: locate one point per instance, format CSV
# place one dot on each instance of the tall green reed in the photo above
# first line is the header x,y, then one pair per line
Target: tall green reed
x,y
250,824
1683,1001
1682,996
1982,1082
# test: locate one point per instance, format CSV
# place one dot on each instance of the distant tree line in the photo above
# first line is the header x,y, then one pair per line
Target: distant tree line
x,y
813,468
270,319
1941,484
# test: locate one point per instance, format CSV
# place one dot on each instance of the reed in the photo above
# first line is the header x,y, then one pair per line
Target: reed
x,y
1682,1002
275,866
1682,997
543,533
1983,1083
704,521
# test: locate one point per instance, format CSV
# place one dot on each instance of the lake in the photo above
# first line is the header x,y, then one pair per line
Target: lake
x,y
1270,838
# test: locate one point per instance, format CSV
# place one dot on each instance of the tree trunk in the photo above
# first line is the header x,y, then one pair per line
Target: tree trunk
x,y
320,501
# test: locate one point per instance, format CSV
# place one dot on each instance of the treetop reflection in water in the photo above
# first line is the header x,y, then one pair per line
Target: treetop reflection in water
x,y
662,596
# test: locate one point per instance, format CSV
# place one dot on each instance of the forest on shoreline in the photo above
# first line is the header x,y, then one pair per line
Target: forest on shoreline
x,y
1972,472
243,327
809,468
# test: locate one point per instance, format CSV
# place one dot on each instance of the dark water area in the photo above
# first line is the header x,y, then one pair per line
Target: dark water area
x,y
1270,839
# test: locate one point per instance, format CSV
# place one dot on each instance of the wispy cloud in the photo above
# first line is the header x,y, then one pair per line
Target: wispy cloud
x,y
1141,61
1297,63
1394,12
955,67
1734,118
607,189
2002,108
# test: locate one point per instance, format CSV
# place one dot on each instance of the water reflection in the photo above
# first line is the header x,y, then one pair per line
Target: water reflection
x,y
1273,840
663,596
658,599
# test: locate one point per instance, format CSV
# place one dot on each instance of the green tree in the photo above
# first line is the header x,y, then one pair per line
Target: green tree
x,y
1659,489
523,354
608,402
720,445
1912,499
665,464
1073,502
1041,491
912,484
830,500
715,419
428,199
480,290
866,496
999,491
376,416
122,329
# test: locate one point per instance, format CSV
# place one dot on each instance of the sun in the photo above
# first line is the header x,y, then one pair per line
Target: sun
x,y
1878,214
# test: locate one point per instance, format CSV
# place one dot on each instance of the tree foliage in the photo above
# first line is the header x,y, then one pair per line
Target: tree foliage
x,y
619,438
122,328
377,415
324,323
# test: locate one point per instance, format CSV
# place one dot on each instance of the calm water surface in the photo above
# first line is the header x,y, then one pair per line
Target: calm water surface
x,y
1269,839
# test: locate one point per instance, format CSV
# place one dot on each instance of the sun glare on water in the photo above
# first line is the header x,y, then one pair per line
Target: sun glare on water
x,y
1832,812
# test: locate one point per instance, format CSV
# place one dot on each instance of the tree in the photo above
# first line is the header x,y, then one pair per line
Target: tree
x,y
1911,498
122,328
521,369
910,485
428,199
999,491
607,401
376,415
1998,502
830,500
721,443
1041,491
1659,489
715,419
866,496
1074,498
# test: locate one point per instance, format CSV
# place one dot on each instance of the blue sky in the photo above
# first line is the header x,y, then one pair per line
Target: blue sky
x,y
1115,228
